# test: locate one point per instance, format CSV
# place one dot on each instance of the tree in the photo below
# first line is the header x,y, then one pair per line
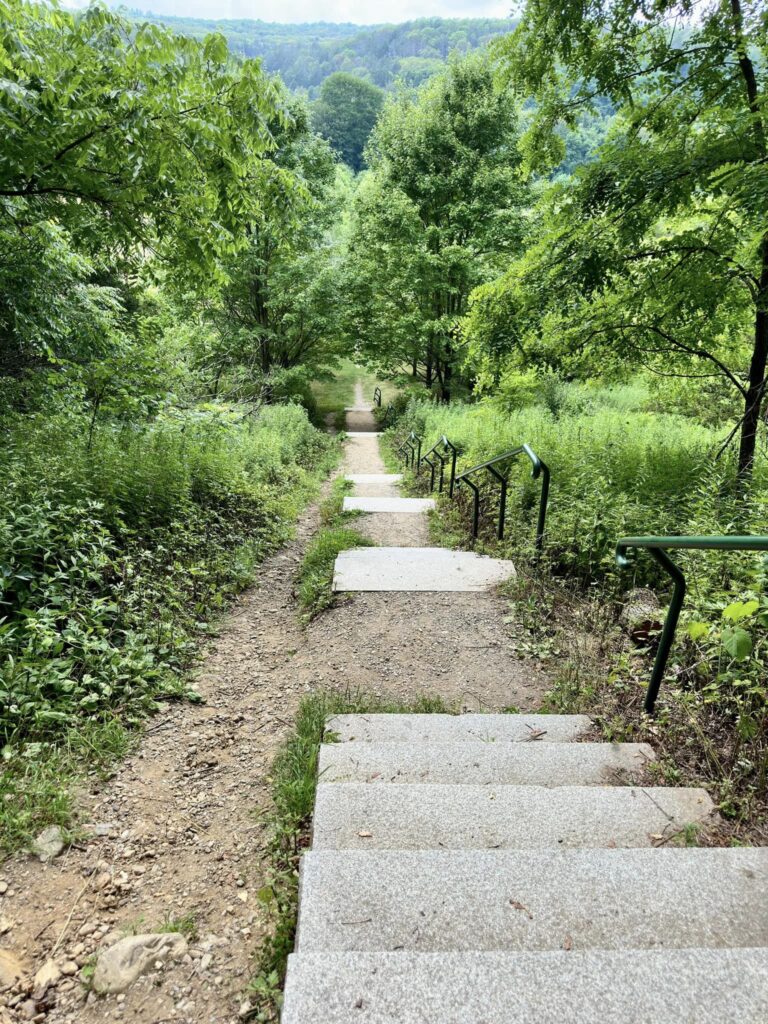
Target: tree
x,y
275,318
345,115
658,251
439,213
109,126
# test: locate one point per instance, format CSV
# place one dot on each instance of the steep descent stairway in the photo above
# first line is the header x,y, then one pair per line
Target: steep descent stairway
x,y
496,869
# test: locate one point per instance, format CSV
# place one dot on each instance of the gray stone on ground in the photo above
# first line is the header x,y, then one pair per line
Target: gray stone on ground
x,y
48,844
418,729
418,569
356,815
120,965
672,986
12,968
538,764
383,503
462,900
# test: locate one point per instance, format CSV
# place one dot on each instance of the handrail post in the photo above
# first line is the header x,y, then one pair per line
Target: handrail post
x,y
502,509
442,474
543,501
670,626
453,472
475,509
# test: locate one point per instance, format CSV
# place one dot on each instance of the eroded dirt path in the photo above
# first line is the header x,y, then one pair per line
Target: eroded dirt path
x,y
176,832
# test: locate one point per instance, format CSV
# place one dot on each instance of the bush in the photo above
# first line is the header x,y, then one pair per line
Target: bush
x,y
112,557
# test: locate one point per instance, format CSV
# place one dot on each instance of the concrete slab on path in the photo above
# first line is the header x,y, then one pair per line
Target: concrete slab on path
x,y
418,569
462,900
472,728
668,986
357,815
482,764
374,478
396,506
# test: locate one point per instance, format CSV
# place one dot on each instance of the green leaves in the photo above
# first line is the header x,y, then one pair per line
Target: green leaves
x,y
737,642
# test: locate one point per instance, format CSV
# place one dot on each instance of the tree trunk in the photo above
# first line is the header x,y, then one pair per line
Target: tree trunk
x,y
756,387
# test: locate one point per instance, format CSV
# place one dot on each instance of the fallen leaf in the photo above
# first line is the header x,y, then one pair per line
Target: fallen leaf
x,y
568,944
365,835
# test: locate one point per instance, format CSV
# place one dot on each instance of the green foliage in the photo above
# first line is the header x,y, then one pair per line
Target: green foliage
x,y
276,319
99,114
113,557
316,573
438,214
656,253
345,114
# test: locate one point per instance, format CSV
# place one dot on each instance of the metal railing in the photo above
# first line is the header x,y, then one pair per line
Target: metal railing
x,y
441,452
540,469
377,397
410,451
389,414
657,547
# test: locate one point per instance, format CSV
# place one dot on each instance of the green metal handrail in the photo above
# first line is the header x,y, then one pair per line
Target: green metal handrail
x,y
448,453
540,469
377,396
657,546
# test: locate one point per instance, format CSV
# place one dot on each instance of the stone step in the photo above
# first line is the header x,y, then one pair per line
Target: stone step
x,y
397,506
374,478
685,986
417,729
418,569
362,433
482,764
461,900
356,815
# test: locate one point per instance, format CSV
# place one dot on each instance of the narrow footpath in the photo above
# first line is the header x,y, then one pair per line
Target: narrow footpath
x,y
174,838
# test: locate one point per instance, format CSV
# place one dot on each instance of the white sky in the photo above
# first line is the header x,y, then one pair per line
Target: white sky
x,y
360,12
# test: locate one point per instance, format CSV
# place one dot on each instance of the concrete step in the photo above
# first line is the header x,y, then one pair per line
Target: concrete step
x,y
396,506
686,986
418,569
418,729
482,764
356,815
374,478
462,900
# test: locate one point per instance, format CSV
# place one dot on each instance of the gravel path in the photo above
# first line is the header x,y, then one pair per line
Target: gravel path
x,y
176,831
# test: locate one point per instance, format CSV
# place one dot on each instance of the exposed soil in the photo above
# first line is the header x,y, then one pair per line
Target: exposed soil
x,y
180,831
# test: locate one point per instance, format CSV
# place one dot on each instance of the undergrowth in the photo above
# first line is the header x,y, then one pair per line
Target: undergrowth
x,y
294,781
315,577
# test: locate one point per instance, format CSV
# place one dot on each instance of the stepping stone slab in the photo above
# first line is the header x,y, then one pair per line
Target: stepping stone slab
x,y
374,478
672,986
536,764
473,728
418,569
398,506
362,433
463,900
356,815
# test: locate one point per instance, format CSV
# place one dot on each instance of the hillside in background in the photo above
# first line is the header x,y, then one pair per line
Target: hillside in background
x,y
306,54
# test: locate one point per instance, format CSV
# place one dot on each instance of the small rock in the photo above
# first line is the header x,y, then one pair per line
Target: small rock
x,y
48,975
28,1009
3,888
87,929
245,1009
48,844
69,968
121,964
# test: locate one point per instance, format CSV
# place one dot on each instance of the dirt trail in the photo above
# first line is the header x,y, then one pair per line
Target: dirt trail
x,y
177,831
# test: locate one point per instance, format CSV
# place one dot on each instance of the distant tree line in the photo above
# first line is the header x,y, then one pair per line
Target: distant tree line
x,y
305,55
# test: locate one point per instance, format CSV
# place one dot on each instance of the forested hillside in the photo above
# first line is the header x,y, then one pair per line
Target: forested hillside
x,y
305,55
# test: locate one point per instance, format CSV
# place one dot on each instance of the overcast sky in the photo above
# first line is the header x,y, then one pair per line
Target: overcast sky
x,y
361,12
